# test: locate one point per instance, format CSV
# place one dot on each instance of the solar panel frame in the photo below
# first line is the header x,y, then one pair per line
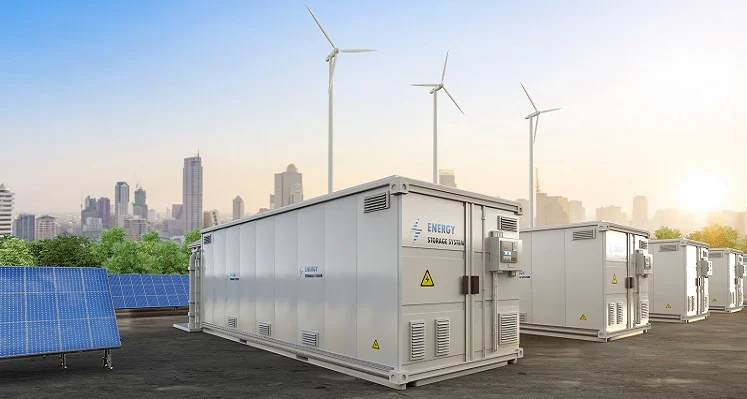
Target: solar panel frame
x,y
50,307
144,291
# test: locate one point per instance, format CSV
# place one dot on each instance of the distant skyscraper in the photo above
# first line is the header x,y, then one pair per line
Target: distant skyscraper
x,y
24,227
524,220
192,193
446,177
104,211
92,228
551,210
288,187
176,211
238,208
640,212
121,202
47,227
90,210
577,211
612,214
140,207
152,215
6,209
135,227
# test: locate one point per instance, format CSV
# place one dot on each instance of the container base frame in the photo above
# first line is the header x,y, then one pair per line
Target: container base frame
x,y
723,309
357,368
185,327
580,333
676,318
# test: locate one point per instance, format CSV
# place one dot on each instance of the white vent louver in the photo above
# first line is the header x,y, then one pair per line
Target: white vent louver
x,y
611,314
715,255
310,338
642,244
232,322
620,313
376,202
644,310
207,239
669,248
417,340
265,329
443,337
508,329
584,235
508,224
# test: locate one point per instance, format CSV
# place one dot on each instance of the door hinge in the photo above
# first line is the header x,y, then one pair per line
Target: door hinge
x,y
629,283
470,285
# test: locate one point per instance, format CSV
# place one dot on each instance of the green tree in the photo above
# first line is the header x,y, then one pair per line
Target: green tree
x,y
64,250
716,236
742,243
109,239
15,252
124,258
664,233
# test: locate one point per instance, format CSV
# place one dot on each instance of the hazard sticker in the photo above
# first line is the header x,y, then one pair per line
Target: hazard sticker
x,y
583,317
669,306
714,300
614,279
427,280
375,344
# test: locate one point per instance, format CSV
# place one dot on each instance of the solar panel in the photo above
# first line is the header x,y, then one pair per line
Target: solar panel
x,y
55,310
136,291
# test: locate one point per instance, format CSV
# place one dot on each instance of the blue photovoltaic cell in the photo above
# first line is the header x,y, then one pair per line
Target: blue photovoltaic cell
x,y
133,291
45,310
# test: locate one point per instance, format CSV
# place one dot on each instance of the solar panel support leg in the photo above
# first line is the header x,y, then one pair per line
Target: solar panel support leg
x,y
108,359
63,361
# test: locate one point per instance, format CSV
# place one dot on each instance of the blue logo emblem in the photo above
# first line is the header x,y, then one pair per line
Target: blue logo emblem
x,y
415,230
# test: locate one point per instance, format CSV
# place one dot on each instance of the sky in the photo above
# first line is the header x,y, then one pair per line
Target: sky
x,y
653,98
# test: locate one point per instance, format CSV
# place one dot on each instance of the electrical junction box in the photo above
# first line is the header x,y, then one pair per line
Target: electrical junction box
x,y
727,282
644,263
680,286
503,253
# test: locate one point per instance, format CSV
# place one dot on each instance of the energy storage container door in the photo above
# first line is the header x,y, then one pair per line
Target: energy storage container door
x,y
637,285
618,305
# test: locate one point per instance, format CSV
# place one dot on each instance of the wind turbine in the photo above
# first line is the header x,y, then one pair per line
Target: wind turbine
x,y
435,88
332,60
533,123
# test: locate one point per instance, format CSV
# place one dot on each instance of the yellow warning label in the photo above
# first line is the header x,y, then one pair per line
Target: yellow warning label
x,y
614,279
714,300
669,306
583,317
375,344
427,281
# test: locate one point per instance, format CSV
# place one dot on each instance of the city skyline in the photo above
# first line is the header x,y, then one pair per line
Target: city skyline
x,y
670,89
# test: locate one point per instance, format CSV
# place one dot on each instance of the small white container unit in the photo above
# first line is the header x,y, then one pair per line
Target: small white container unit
x,y
679,289
585,281
386,281
727,283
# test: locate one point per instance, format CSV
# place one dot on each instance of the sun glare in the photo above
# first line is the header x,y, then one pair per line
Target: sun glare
x,y
702,192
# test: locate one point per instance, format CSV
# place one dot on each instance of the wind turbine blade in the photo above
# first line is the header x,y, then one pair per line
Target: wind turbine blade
x,y
549,110
332,74
527,93
424,84
320,27
443,74
356,50
536,124
453,100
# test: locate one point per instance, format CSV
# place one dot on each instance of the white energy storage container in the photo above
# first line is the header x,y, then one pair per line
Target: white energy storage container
x,y
679,290
727,283
387,281
585,281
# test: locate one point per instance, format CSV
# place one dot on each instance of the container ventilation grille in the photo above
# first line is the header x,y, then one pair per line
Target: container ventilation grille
x,y
508,328
611,314
310,338
522,317
642,244
417,340
584,235
508,224
207,239
715,255
265,329
376,202
443,337
232,322
669,248
644,310
620,313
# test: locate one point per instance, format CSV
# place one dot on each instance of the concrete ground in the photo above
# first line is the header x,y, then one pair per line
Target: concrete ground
x,y
706,359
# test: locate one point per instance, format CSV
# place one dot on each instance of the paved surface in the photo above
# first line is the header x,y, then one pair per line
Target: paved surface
x,y
707,359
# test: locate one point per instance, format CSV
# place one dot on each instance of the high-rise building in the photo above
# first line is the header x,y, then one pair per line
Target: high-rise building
x,y
104,212
92,228
551,210
90,210
135,227
6,210
446,177
640,212
121,202
47,227
288,187
524,219
24,227
192,193
176,211
210,218
238,208
152,215
577,211
612,214
140,207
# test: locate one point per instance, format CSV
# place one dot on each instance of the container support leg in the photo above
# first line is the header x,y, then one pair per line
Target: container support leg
x,y
63,361
108,359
